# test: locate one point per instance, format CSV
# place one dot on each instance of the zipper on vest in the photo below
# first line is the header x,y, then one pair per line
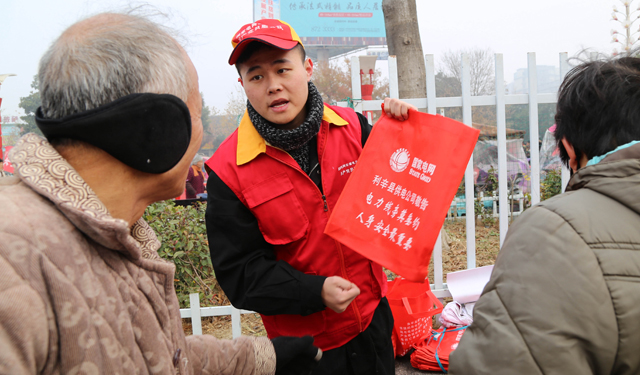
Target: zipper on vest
x,y
353,304
343,268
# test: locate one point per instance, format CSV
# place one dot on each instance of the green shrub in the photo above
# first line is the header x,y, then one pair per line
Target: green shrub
x,y
551,185
183,235
491,182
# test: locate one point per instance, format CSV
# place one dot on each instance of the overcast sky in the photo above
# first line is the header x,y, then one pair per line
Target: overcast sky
x,y
510,27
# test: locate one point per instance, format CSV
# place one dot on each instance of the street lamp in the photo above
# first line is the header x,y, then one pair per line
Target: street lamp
x,y
627,19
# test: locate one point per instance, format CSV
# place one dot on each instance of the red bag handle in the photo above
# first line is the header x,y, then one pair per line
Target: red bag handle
x,y
407,306
434,300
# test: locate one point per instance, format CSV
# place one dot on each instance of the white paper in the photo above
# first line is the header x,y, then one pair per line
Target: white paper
x,y
466,286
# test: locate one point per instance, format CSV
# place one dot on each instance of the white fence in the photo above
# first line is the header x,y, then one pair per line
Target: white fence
x,y
518,200
196,313
431,102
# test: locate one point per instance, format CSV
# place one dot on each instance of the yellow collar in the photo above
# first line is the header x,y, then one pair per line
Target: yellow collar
x,y
251,144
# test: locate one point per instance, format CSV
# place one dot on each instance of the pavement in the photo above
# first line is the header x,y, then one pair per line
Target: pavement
x,y
403,367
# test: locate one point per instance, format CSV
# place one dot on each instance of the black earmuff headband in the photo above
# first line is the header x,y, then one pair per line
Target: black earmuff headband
x,y
148,132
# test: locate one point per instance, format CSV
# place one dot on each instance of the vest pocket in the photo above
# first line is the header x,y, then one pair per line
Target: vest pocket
x,y
276,207
297,325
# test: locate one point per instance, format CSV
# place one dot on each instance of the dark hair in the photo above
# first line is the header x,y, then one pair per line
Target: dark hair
x,y
254,47
599,107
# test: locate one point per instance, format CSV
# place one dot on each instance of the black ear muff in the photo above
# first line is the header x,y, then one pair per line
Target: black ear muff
x,y
148,132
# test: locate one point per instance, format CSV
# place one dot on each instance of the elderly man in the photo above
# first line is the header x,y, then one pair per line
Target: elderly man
x,y
82,289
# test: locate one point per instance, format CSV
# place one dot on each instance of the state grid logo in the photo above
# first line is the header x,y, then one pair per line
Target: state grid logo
x,y
399,160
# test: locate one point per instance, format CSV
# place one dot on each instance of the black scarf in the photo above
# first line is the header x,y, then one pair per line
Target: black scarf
x,y
295,141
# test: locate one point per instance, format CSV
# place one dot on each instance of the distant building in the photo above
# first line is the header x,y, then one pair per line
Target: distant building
x,y
548,80
10,132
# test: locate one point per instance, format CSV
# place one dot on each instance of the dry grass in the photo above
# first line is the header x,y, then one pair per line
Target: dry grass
x,y
453,259
220,326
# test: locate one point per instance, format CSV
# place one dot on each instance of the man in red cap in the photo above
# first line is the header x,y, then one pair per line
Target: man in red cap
x,y
273,185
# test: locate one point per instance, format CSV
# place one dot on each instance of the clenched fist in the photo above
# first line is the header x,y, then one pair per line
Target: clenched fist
x,y
337,293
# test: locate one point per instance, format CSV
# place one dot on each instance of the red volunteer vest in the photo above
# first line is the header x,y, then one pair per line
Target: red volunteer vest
x,y
292,214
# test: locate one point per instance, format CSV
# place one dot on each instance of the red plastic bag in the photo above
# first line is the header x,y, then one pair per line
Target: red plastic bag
x,y
413,305
432,354
395,202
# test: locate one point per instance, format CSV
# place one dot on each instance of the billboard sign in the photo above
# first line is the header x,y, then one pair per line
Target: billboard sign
x,y
336,18
266,9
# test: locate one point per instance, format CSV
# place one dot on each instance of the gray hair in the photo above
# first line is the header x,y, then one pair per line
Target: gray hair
x,y
196,159
110,61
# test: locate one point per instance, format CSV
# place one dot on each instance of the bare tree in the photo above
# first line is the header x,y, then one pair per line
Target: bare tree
x,y
449,81
237,104
481,64
333,80
223,123
403,39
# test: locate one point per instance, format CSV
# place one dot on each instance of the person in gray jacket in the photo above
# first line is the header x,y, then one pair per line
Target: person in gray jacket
x,y
564,296
82,288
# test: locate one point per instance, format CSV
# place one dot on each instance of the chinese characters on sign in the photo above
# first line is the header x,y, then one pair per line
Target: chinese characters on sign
x,y
9,119
423,170
394,204
266,9
335,19
347,167
394,211
398,203
328,5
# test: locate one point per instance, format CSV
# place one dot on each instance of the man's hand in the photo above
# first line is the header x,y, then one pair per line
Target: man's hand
x,y
295,355
337,293
397,109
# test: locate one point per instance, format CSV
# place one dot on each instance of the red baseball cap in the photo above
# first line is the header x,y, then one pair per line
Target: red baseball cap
x,y
269,31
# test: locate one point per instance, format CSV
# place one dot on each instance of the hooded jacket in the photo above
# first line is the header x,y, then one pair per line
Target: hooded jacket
x,y
82,292
564,295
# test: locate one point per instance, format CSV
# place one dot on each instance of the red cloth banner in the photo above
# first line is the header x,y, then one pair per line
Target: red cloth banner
x,y
394,204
